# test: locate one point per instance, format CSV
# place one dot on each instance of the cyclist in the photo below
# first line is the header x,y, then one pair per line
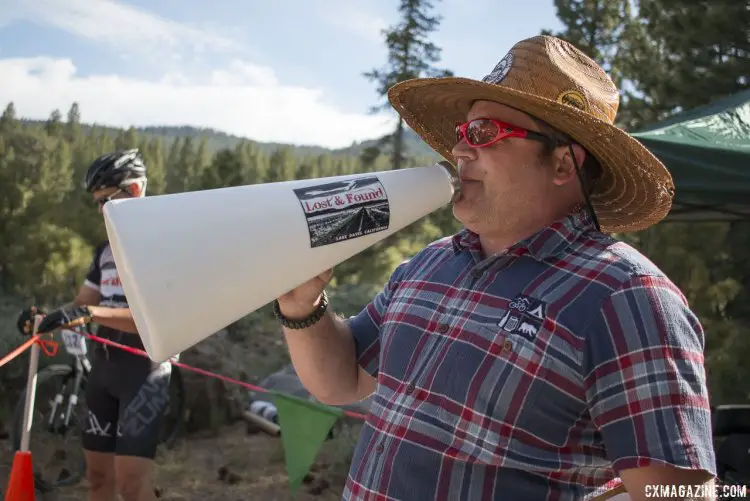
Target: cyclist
x,y
126,394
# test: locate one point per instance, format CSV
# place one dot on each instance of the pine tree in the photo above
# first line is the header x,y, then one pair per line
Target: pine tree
x,y
683,55
8,120
410,55
54,125
73,123
668,56
596,27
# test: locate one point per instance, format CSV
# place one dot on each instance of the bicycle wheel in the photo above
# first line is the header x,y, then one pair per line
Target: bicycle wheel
x,y
174,413
44,440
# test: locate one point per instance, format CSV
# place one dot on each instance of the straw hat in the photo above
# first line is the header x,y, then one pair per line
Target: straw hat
x,y
553,81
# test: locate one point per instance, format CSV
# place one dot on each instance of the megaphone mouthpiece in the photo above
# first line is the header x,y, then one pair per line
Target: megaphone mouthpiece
x,y
454,177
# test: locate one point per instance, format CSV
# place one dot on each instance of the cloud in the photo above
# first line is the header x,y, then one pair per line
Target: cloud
x,y
243,99
356,20
120,26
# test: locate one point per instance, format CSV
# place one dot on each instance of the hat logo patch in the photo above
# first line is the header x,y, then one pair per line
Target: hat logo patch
x,y
500,71
573,98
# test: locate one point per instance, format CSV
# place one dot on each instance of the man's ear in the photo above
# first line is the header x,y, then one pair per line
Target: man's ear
x,y
565,168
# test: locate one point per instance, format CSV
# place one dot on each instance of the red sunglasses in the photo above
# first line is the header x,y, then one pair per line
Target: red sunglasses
x,y
482,132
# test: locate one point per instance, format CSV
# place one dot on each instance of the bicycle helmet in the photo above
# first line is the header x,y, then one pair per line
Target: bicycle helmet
x,y
113,170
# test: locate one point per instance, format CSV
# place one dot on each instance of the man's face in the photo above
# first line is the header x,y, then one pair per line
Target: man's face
x,y
504,184
103,195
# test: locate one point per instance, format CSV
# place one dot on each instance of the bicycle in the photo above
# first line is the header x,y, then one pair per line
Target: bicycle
x,y
68,382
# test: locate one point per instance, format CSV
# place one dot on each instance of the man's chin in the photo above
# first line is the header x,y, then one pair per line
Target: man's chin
x,y
464,213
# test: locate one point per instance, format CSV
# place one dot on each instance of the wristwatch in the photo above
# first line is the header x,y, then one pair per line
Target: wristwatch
x,y
312,319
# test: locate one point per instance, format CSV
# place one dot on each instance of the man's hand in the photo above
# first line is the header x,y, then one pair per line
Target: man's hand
x,y
302,301
25,320
65,317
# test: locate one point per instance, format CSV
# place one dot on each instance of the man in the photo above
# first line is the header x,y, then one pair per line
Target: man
x,y
530,356
127,394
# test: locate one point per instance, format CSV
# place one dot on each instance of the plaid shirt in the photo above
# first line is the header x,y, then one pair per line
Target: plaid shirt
x,y
535,374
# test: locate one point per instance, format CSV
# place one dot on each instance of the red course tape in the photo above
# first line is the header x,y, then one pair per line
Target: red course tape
x,y
50,349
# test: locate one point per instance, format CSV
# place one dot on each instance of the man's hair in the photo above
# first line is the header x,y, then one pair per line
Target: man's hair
x,y
591,170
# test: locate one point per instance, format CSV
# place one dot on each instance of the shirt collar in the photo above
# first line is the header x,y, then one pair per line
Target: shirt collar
x,y
550,241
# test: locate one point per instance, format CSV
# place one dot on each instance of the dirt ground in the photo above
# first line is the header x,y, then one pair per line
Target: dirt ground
x,y
230,466
216,458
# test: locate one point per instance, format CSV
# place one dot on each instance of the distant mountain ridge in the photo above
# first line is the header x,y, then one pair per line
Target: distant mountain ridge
x,y
217,140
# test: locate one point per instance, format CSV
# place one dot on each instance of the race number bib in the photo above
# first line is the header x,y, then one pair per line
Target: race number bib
x,y
75,344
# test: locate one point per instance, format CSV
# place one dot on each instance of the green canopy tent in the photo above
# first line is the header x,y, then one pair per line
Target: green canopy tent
x,y
707,150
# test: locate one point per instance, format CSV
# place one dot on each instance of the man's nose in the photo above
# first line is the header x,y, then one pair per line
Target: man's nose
x,y
462,150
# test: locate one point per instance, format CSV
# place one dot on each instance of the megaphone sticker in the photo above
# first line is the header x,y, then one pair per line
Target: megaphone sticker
x,y
343,210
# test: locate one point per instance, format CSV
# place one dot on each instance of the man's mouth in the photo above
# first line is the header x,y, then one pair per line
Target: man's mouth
x,y
463,177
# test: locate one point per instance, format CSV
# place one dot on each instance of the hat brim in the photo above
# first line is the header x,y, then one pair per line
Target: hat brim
x,y
636,189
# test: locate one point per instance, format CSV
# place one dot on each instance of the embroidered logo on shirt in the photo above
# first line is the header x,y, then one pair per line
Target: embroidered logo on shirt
x,y
525,317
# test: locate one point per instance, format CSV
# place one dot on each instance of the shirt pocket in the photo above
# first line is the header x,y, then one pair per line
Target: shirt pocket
x,y
532,389
497,395
510,375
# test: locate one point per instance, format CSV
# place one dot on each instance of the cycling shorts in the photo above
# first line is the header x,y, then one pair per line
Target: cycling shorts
x,y
126,396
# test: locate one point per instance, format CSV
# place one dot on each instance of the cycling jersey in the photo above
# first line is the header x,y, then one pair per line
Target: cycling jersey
x,y
126,393
103,277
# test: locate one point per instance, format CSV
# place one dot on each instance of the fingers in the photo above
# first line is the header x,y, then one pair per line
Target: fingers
x,y
326,276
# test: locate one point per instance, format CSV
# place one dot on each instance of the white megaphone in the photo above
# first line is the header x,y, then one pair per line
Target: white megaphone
x,y
192,263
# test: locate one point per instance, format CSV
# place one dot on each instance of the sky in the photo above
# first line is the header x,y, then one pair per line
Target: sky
x,y
285,71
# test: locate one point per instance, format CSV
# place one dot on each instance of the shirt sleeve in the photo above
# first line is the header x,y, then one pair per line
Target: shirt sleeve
x,y
94,273
645,378
365,326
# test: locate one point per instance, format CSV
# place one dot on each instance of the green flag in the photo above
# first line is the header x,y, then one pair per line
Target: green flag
x,y
304,428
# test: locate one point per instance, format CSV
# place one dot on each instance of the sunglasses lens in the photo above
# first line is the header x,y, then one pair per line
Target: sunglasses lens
x,y
481,132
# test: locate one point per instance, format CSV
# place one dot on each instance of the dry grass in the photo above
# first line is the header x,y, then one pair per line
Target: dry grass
x,y
230,466
224,462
